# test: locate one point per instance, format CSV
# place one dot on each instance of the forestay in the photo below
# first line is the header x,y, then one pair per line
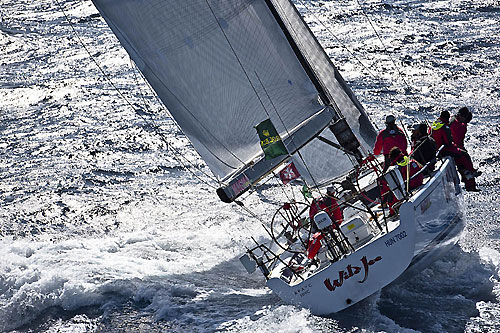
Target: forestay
x,y
222,67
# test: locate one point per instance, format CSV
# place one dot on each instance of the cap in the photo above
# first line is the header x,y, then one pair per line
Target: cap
x,y
390,119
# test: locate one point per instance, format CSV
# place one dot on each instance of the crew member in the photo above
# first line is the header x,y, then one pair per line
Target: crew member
x,y
441,133
458,126
423,147
390,137
408,167
403,162
329,205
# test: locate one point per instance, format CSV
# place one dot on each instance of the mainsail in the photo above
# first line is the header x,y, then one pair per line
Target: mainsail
x,y
222,67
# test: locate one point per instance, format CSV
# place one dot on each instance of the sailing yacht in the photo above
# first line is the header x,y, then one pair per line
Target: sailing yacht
x,y
224,68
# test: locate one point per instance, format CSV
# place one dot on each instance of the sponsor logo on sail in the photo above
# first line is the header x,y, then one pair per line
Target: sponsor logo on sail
x,y
270,141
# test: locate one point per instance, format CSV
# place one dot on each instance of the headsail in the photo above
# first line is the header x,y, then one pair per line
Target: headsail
x,y
222,67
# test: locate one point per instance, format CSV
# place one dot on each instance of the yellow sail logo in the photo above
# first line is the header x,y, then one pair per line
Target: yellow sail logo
x,y
269,140
265,132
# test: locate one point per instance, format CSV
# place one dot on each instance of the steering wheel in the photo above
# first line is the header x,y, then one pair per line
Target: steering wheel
x,y
288,223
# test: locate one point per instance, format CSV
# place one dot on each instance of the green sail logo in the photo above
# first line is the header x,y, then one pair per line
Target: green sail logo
x,y
270,141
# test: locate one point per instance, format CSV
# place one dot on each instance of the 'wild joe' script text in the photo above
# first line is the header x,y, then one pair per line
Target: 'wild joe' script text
x,y
350,272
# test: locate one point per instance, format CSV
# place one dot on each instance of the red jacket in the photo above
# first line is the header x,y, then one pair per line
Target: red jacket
x,y
414,168
388,139
330,206
441,133
458,130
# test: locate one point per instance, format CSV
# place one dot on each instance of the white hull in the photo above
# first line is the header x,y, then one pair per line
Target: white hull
x,y
430,223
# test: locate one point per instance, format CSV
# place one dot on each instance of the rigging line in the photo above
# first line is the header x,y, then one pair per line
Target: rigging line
x,y
298,152
164,139
274,107
118,91
249,211
344,47
332,102
269,178
246,74
338,40
282,187
383,45
381,82
237,58
252,214
359,60
321,90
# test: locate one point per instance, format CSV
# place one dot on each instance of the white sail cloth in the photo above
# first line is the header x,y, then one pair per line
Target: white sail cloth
x,y
222,67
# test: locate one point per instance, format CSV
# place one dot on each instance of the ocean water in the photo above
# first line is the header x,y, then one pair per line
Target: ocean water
x,y
106,226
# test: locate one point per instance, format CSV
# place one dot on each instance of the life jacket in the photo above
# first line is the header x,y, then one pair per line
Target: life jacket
x,y
414,168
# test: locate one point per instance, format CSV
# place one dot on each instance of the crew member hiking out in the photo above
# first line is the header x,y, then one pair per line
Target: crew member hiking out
x,y
441,133
390,137
458,127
